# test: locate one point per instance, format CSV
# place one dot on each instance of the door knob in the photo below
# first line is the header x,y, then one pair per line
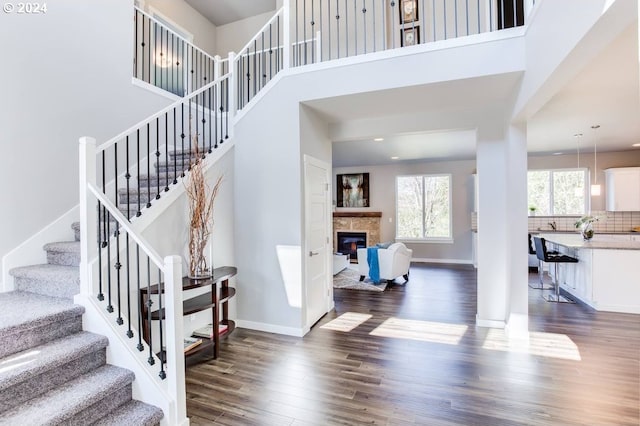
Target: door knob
x,y
313,253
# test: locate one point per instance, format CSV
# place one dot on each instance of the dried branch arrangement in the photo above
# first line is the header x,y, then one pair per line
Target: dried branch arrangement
x,y
200,199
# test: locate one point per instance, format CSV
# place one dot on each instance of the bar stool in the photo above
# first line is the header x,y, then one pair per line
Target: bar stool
x,y
544,256
540,267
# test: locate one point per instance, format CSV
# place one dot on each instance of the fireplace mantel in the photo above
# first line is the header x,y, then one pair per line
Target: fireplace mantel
x,y
357,214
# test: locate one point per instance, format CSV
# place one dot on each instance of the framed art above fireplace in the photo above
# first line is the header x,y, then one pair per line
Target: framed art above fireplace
x,y
352,190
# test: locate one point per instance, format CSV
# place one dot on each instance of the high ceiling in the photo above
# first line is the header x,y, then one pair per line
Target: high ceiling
x,y
222,12
605,92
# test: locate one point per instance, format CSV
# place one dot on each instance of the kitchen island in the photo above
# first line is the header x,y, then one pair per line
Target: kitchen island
x,y
606,276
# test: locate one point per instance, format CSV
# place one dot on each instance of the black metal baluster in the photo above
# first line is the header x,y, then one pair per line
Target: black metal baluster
x,y
175,156
204,129
155,49
102,230
163,359
321,28
278,54
166,151
140,346
127,176
116,235
255,67
149,52
190,135
129,332
215,114
108,240
248,78
173,69
150,360
264,72
210,107
196,126
226,108
148,166
138,213
135,63
161,53
270,53
157,153
355,24
142,44
182,135
296,50
192,76
304,31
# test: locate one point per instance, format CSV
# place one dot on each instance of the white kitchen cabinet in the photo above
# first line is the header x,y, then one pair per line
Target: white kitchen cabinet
x,y
623,189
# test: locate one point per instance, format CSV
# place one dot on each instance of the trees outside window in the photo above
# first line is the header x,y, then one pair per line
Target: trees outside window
x,y
423,207
558,192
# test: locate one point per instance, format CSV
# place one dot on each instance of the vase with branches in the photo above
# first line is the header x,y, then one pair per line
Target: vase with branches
x,y
200,198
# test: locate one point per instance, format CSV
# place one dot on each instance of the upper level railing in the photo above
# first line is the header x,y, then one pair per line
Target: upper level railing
x,y
166,60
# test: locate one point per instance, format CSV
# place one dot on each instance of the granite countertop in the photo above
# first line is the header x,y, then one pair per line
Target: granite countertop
x,y
575,241
575,231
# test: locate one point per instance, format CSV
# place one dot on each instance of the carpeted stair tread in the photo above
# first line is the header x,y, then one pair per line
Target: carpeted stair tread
x,y
72,399
28,319
49,280
65,253
132,413
28,363
20,310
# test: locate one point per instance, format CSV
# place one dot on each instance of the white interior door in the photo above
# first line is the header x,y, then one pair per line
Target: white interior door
x,y
316,246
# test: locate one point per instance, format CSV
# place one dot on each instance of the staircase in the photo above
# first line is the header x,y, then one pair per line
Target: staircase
x,y
52,372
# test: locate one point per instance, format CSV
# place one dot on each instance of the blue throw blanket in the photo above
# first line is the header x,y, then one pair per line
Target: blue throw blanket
x,y
374,266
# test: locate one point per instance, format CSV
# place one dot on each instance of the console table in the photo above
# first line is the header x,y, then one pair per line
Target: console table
x,y
215,299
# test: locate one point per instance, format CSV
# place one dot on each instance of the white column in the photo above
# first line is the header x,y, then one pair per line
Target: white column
x,y
174,328
502,229
493,254
88,216
518,310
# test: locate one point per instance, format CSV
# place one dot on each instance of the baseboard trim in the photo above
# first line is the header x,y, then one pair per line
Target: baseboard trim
x,y
272,328
454,261
490,323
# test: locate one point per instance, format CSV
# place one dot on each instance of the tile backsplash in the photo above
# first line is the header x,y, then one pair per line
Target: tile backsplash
x,y
607,222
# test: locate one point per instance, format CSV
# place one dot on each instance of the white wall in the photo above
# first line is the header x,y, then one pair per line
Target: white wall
x,y
234,36
382,181
65,74
182,14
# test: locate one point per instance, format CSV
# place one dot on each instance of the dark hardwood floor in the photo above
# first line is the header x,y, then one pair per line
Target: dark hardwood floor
x,y
419,360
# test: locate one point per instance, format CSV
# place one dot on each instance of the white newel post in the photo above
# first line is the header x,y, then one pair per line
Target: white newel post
x,y
88,208
318,46
233,83
286,35
174,327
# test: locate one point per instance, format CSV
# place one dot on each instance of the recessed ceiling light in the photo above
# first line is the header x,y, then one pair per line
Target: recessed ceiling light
x,y
378,139
577,135
557,153
395,158
636,144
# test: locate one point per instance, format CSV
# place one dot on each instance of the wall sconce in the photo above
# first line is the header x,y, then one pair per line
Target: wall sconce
x,y
595,188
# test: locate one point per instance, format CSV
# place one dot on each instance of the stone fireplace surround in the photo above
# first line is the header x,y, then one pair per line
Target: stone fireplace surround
x,y
367,222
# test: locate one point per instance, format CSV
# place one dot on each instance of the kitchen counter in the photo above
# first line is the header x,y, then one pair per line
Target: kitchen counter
x,y
575,241
605,276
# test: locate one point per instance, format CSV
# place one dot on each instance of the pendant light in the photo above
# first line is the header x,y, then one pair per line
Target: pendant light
x,y
595,188
579,192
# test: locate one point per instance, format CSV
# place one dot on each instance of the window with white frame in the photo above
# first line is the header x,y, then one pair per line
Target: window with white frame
x,y
558,192
423,207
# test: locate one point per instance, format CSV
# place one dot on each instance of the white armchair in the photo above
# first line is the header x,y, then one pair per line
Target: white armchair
x,y
394,262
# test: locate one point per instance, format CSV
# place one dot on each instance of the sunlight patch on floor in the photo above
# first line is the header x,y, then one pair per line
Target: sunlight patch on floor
x,y
549,345
426,331
17,361
346,322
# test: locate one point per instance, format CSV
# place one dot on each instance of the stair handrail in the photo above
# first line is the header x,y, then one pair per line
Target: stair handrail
x,y
151,118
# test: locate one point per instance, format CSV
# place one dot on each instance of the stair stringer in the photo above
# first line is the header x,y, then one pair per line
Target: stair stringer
x,y
30,252
147,386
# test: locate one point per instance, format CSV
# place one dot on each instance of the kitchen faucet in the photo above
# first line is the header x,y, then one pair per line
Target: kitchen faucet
x,y
553,225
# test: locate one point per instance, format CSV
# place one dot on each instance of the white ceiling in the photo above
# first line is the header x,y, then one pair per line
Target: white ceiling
x,y
221,12
606,92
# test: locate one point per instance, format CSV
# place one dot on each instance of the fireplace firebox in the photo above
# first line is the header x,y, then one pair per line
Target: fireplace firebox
x,y
350,242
